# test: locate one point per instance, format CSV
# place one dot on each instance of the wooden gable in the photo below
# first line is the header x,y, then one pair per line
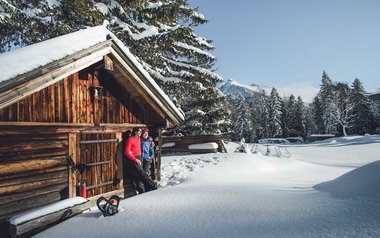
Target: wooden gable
x,y
70,101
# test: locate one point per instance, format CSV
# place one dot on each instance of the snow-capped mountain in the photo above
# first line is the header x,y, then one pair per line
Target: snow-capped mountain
x,y
234,88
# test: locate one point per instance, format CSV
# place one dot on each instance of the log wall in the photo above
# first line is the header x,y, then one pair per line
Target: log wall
x,y
70,101
33,171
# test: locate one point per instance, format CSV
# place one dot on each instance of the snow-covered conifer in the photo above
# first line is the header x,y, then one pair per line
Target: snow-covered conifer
x,y
288,115
363,115
242,125
317,116
299,122
259,116
274,114
326,98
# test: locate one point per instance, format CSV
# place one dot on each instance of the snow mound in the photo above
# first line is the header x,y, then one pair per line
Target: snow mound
x,y
42,211
350,140
361,182
167,145
204,146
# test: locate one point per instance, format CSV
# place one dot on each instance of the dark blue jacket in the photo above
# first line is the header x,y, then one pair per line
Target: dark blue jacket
x,y
146,149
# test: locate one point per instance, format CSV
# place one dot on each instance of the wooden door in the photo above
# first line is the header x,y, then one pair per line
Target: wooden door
x,y
98,162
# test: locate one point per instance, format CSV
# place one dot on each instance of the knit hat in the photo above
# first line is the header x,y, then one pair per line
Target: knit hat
x,y
144,130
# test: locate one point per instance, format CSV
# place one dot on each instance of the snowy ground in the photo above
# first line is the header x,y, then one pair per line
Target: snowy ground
x,y
243,195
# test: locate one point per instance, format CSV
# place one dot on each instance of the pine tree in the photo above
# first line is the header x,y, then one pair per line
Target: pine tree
x,y
375,108
363,116
31,22
299,123
242,126
259,116
310,126
288,116
326,99
160,33
317,116
274,114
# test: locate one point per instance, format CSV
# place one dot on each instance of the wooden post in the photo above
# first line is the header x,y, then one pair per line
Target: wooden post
x,y
73,143
108,64
119,161
159,155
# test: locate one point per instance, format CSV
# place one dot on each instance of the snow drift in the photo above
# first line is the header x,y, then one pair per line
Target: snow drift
x,y
361,182
224,195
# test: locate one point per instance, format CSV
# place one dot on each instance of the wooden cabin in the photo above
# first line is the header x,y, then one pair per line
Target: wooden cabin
x,y
64,106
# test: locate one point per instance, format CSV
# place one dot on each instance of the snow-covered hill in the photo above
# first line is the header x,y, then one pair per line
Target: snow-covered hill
x,y
234,88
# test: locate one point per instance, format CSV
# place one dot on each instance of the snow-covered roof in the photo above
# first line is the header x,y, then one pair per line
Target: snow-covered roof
x,y
23,60
20,61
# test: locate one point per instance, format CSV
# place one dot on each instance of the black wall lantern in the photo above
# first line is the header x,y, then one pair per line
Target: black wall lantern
x,y
96,92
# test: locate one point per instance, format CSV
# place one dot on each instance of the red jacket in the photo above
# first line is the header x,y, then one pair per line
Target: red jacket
x,y
133,148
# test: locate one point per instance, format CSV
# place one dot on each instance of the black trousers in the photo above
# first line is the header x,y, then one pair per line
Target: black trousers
x,y
140,178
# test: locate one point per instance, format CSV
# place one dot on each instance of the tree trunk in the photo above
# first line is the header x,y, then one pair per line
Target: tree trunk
x,y
344,130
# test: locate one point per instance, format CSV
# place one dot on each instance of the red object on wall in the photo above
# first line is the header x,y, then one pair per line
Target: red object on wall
x,y
83,191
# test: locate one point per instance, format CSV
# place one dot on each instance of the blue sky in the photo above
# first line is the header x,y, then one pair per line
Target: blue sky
x,y
290,42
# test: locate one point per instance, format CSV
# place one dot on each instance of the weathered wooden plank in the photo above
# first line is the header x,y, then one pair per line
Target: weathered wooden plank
x,y
33,178
97,103
78,159
66,99
33,145
29,110
44,105
30,165
51,104
31,154
26,204
56,102
44,221
30,194
12,109
3,114
21,110
15,128
73,157
82,101
19,188
96,173
61,103
32,173
32,137
75,98
90,109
